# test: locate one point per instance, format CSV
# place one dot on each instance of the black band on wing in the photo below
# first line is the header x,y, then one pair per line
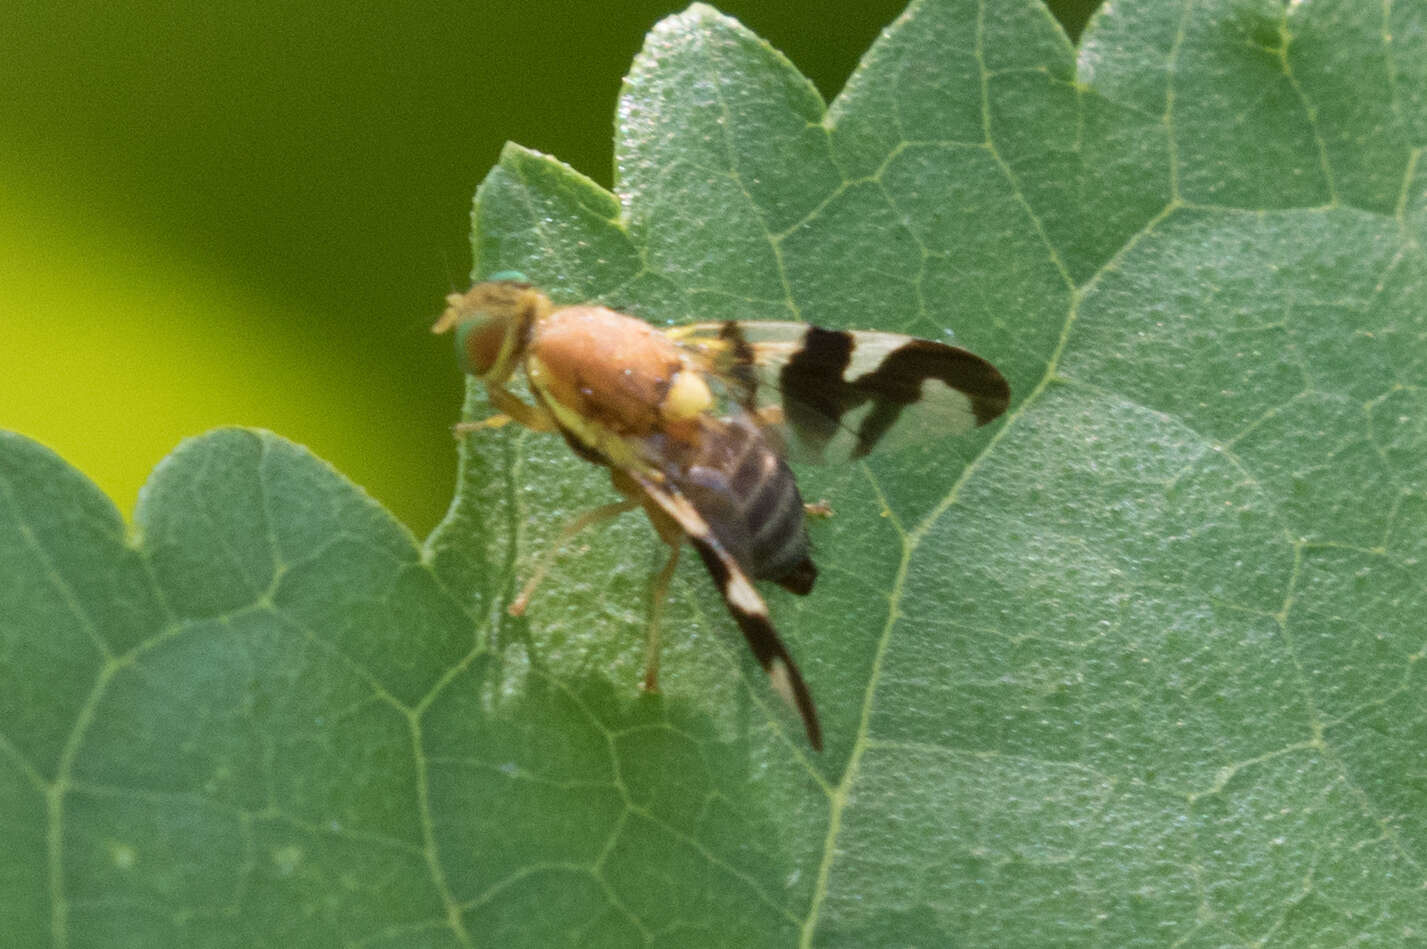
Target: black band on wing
x,y
897,383
899,376
817,393
737,590
814,386
762,639
740,367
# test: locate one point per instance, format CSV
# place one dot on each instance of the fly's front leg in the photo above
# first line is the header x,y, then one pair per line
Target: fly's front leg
x,y
533,417
461,429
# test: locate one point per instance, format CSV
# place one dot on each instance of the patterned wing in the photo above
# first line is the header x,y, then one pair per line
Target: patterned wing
x,y
837,395
743,602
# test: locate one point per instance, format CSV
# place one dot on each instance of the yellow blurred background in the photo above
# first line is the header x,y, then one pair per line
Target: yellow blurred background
x,y
248,213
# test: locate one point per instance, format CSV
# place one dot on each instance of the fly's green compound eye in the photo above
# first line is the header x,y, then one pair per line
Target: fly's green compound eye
x,y
478,343
508,276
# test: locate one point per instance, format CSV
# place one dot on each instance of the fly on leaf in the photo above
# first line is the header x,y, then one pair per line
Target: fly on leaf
x,y
695,423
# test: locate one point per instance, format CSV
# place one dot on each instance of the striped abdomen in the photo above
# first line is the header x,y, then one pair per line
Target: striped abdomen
x,y
749,498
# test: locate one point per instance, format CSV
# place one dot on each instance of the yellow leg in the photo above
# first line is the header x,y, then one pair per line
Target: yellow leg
x,y
656,613
465,428
533,417
547,559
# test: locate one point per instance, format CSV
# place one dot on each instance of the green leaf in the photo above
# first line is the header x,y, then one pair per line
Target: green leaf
x,y
1136,666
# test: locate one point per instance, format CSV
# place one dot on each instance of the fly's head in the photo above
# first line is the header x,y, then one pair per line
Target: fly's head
x,y
491,324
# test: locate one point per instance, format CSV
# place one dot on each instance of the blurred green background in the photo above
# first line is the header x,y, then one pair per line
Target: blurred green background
x,y
248,213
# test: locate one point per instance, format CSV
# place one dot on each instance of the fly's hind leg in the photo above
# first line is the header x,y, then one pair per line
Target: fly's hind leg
x,y
658,594
670,533
547,559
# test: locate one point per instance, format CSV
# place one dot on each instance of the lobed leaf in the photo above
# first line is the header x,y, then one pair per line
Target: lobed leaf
x,y
1138,666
